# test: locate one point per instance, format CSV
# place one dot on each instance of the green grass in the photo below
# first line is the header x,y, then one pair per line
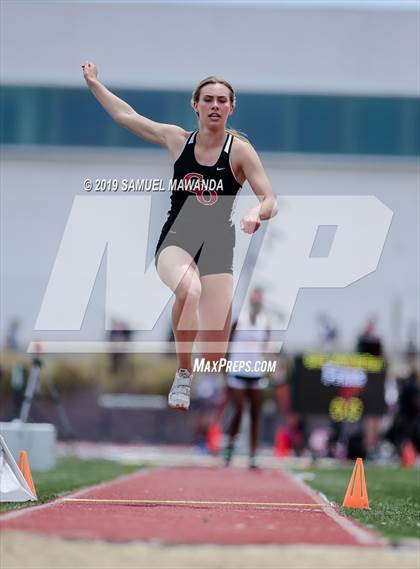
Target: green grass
x,y
394,497
71,474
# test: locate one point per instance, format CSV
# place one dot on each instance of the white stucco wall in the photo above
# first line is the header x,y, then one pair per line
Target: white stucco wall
x,y
357,47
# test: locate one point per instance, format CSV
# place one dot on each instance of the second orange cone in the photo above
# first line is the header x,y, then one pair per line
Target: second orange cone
x,y
26,471
356,495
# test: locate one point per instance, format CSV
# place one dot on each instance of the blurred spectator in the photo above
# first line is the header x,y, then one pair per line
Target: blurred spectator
x,y
18,386
12,336
369,342
294,429
120,332
318,442
1,377
327,333
406,424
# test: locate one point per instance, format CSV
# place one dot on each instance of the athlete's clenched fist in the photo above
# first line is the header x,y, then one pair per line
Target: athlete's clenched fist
x,y
251,222
90,71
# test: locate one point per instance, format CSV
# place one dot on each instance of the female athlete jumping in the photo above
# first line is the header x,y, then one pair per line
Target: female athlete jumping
x,y
195,260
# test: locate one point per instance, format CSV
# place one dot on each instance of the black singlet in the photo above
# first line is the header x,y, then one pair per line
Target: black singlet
x,y
200,217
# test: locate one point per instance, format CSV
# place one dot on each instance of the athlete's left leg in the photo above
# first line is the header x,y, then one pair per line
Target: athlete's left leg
x,y
255,407
215,311
237,400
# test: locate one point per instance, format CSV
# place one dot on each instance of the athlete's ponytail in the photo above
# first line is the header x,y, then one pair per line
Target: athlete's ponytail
x,y
212,80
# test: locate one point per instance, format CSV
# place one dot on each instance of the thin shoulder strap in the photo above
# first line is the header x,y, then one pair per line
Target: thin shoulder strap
x,y
188,141
191,139
228,144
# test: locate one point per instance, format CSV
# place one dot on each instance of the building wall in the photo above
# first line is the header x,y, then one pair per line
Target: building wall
x,y
306,47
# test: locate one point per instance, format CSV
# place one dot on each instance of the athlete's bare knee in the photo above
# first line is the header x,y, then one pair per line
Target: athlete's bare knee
x,y
189,288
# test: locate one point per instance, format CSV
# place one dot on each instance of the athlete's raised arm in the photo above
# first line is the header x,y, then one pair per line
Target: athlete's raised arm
x,y
254,172
168,135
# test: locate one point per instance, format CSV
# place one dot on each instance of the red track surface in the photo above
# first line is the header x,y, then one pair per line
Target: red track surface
x,y
191,523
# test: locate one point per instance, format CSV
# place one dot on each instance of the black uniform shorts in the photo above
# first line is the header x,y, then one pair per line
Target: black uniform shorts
x,y
212,250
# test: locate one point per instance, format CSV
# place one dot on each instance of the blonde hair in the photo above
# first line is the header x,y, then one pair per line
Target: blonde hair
x,y
212,80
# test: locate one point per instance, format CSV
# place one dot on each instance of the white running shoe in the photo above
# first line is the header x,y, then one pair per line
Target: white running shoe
x,y
179,395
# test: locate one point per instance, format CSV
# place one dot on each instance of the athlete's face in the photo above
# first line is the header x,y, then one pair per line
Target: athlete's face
x,y
214,106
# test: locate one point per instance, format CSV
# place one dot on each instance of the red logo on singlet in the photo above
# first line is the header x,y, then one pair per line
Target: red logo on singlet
x,y
195,184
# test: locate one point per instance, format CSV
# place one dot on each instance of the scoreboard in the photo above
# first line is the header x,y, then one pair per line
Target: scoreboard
x,y
344,386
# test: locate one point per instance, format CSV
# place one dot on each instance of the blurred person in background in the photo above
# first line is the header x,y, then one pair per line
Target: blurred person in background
x,y
249,336
328,333
406,424
290,434
18,382
369,342
195,260
13,342
18,373
120,332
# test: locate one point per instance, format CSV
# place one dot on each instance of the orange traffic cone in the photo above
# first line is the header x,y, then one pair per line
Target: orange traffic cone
x,y
26,471
282,443
214,436
408,455
356,495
